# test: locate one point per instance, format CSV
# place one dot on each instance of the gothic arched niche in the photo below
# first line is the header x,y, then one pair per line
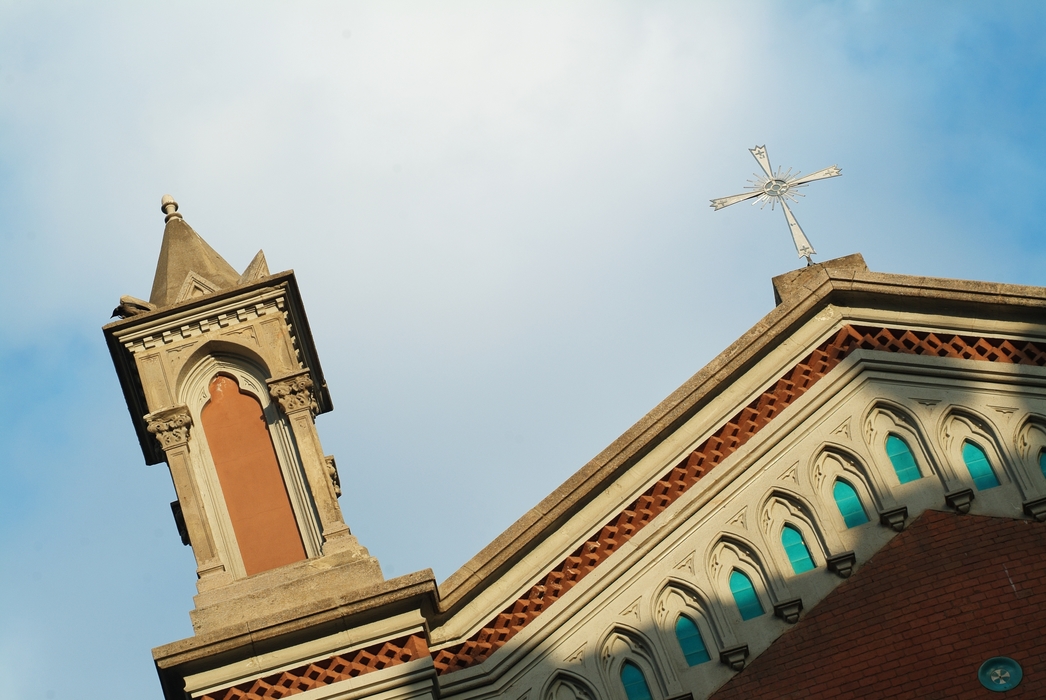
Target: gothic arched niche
x,y
628,645
782,508
251,480
961,425
678,598
565,686
194,391
885,419
1031,443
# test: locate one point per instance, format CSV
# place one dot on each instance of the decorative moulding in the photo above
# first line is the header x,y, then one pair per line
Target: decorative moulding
x,y
734,657
894,518
842,564
789,610
195,285
166,331
1036,508
960,500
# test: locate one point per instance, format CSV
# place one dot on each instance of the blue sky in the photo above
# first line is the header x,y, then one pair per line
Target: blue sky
x,y
498,214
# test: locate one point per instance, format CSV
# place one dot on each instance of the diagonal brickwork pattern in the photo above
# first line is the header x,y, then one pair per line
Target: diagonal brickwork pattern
x,y
331,670
724,442
918,619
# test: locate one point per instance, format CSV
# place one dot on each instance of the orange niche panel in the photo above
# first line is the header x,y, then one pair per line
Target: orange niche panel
x,y
250,476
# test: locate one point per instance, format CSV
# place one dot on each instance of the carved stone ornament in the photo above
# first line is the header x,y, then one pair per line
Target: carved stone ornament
x,y
894,518
789,610
170,426
734,657
842,564
960,500
332,472
1036,509
294,393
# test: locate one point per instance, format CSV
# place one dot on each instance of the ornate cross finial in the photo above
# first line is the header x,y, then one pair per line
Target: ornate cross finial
x,y
775,188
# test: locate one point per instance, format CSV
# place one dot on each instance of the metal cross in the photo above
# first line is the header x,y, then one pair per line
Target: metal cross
x,y
775,188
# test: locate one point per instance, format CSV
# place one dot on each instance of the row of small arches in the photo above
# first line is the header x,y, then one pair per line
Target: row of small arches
x,y
853,512
973,455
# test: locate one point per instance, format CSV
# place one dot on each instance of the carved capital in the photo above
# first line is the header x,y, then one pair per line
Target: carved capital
x,y
170,426
293,393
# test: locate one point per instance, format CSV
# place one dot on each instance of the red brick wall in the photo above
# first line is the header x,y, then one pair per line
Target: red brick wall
x,y
919,619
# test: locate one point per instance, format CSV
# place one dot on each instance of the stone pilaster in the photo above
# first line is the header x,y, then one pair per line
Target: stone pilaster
x,y
294,394
171,428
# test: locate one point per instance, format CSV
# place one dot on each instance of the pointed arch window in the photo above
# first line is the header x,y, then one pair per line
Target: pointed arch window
x,y
744,595
979,466
902,459
1042,462
632,678
849,504
690,641
795,548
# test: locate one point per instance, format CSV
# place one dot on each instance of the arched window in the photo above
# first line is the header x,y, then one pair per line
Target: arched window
x,y
849,504
744,595
979,466
690,641
635,682
795,548
1042,462
902,459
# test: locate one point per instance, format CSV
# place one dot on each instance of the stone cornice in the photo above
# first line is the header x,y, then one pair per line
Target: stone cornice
x,y
170,426
213,317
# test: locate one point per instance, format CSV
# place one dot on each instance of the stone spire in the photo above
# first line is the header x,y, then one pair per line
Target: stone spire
x,y
187,266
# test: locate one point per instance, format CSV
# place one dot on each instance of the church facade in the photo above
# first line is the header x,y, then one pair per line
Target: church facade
x,y
847,502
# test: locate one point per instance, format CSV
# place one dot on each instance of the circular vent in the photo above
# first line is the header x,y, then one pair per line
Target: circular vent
x,y
1000,674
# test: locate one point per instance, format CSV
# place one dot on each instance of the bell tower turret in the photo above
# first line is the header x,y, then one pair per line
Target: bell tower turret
x,y
223,384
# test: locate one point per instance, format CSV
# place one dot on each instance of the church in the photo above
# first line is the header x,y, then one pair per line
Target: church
x,y
848,502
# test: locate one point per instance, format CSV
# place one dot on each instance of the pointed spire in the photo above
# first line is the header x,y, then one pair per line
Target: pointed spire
x,y
256,270
187,266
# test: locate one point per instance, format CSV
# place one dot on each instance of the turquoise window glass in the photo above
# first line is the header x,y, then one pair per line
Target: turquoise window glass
x,y
979,466
902,459
744,595
1042,462
796,550
690,641
849,504
635,682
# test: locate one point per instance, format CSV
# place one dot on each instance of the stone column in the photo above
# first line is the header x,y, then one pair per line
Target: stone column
x,y
294,395
171,428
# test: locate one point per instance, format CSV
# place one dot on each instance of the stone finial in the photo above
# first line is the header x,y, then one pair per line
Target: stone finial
x,y
169,207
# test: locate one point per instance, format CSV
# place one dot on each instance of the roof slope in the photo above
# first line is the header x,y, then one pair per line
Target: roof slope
x,y
919,619
800,295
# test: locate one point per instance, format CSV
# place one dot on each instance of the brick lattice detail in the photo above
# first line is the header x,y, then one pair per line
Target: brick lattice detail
x,y
331,670
918,619
724,442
